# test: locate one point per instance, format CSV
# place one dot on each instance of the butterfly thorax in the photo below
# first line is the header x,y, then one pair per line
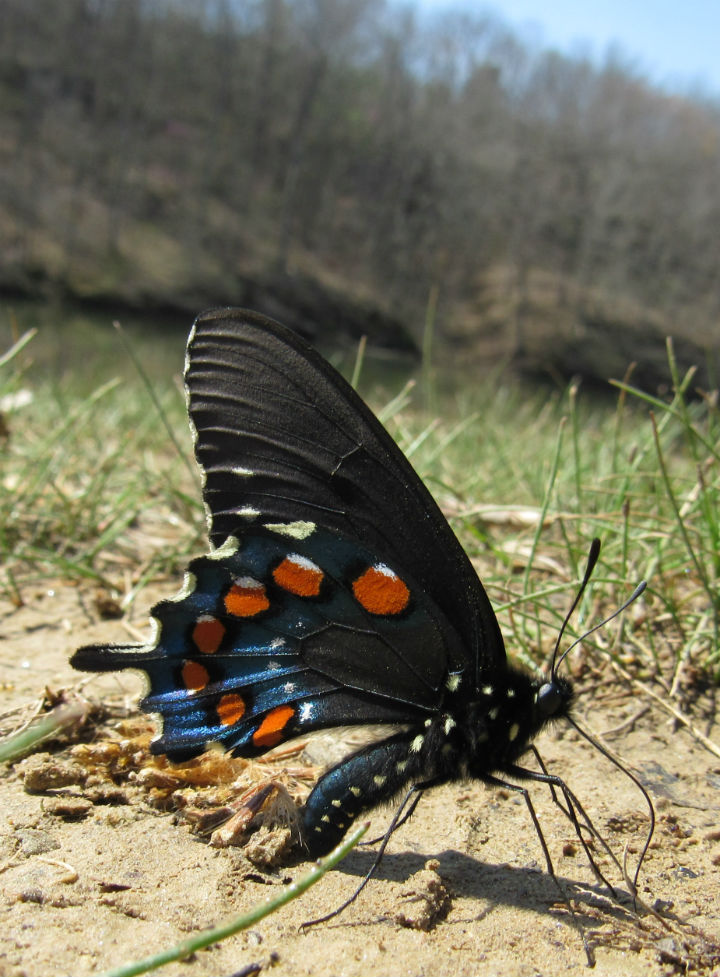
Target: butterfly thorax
x,y
497,722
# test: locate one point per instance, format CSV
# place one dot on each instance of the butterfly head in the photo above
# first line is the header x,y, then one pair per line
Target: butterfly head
x,y
554,698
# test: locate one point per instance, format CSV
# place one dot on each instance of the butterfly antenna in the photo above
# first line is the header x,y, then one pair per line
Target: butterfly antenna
x,y
557,662
591,564
633,597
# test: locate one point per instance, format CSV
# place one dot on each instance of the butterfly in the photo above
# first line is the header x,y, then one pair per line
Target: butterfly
x,y
335,594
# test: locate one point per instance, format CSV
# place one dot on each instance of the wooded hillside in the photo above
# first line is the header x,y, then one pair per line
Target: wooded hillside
x,y
182,153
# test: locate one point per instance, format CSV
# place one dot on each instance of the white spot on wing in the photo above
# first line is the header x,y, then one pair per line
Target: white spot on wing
x,y
385,570
215,746
513,732
228,548
248,583
303,561
452,683
247,512
306,711
493,713
487,690
296,530
416,744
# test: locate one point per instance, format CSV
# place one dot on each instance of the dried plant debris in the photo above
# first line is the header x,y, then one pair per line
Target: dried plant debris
x,y
680,949
106,605
42,773
232,801
425,900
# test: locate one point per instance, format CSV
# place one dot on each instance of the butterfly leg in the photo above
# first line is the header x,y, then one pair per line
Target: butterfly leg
x,y
495,781
406,817
574,807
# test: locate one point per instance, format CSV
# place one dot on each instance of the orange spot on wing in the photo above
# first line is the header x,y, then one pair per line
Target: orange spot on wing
x,y
246,598
230,708
299,576
270,730
195,676
207,634
381,591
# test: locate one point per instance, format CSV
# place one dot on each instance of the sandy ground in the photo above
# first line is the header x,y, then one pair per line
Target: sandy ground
x,y
101,871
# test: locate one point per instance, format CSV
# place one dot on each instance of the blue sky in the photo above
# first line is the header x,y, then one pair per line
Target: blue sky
x,y
676,43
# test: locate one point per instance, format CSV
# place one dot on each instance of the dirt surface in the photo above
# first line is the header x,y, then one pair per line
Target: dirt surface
x,y
96,867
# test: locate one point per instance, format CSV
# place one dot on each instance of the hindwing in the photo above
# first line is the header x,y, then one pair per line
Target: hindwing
x,y
272,636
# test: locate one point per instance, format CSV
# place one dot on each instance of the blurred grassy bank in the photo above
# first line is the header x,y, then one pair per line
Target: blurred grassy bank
x,y
93,489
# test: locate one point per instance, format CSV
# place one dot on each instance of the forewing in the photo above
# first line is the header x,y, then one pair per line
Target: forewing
x,y
282,438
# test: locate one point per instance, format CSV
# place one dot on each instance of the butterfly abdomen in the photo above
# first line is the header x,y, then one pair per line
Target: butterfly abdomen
x,y
373,776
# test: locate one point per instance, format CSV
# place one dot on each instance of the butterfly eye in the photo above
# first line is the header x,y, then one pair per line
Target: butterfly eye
x,y
549,699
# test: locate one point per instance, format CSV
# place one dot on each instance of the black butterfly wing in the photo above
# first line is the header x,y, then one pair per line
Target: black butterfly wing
x,y
282,438
336,593
273,636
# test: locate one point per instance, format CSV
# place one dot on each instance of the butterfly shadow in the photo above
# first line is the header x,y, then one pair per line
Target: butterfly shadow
x,y
498,884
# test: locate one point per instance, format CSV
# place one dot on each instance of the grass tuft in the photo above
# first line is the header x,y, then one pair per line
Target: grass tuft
x,y
94,489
